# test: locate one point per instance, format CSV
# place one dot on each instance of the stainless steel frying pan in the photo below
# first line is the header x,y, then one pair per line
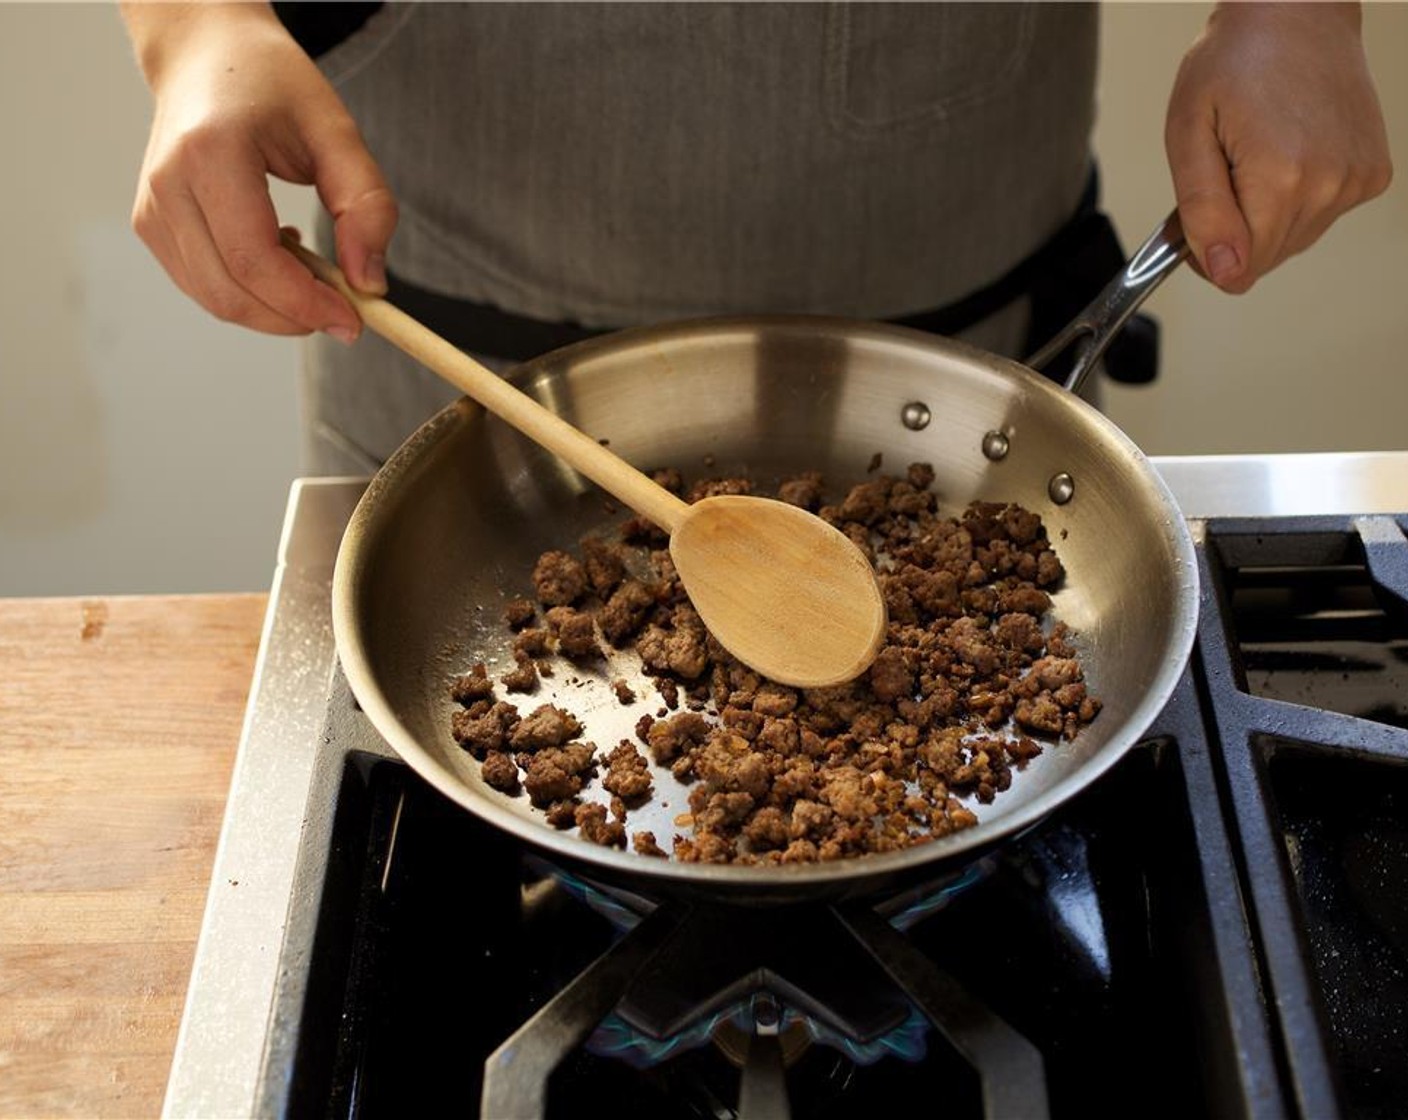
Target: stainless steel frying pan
x,y
450,528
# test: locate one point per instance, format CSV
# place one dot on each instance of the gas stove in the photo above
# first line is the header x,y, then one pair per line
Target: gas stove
x,y
1218,926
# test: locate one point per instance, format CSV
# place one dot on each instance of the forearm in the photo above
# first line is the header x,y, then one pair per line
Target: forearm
x,y
1344,14
163,32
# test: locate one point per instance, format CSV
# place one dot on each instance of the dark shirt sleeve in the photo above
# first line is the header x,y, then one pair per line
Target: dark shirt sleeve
x,y
318,27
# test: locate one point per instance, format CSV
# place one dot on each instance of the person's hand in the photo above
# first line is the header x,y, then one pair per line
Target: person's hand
x,y
236,101
1273,131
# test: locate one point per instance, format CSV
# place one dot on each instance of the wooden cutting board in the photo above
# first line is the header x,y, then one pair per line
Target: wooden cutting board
x,y
119,720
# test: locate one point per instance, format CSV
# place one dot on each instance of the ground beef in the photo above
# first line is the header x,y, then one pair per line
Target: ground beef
x,y
592,823
484,727
627,773
678,648
557,774
669,691
546,726
643,531
669,738
546,782
559,579
767,829
890,675
716,487
575,632
532,642
605,565
518,613
626,611
972,680
1020,633
500,771
865,503
522,679
1024,598
562,814
775,700
805,491
1056,672
474,685
671,478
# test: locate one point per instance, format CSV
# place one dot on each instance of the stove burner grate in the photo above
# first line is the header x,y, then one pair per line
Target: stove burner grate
x,y
1304,646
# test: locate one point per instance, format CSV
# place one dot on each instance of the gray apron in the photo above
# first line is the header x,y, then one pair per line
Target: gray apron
x,y
620,164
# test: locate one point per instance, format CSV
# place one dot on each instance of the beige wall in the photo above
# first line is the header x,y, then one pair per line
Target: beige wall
x,y
145,447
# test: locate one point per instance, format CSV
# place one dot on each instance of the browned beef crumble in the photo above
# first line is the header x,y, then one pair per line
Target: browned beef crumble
x,y
518,613
627,773
556,773
593,824
605,564
972,679
524,678
500,771
625,611
559,579
562,814
575,632
474,685
805,491
546,726
484,726
532,642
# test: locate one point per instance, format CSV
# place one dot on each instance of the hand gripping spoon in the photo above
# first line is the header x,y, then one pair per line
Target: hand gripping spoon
x,y
784,592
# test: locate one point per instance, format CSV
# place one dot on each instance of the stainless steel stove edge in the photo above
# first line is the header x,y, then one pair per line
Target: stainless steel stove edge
x,y
222,1040
1300,485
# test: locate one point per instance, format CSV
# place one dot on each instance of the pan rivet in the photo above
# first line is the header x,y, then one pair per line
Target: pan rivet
x,y
915,416
1062,488
996,445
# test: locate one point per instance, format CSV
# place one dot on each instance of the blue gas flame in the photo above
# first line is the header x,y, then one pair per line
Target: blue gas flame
x,y
616,1038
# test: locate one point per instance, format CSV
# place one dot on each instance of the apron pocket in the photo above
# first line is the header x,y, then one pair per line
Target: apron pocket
x,y
896,66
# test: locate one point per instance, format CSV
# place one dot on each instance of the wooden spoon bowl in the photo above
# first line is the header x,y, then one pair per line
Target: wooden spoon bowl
x,y
787,594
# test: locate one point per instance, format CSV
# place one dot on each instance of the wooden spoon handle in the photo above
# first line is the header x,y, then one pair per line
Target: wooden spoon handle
x,y
607,470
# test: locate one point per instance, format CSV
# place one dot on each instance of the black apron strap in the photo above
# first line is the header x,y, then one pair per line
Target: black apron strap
x,y
1060,279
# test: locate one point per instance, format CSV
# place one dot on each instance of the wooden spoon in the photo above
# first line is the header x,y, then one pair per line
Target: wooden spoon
x,y
784,592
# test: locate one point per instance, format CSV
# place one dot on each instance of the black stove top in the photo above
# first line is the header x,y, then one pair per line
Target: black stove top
x,y
1218,926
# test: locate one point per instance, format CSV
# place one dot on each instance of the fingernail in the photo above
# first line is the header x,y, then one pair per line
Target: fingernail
x,y
1223,263
376,273
344,335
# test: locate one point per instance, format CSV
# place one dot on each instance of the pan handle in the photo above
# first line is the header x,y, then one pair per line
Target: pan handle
x,y
1101,320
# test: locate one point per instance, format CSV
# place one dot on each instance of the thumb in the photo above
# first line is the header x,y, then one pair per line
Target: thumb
x,y
1213,223
364,211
